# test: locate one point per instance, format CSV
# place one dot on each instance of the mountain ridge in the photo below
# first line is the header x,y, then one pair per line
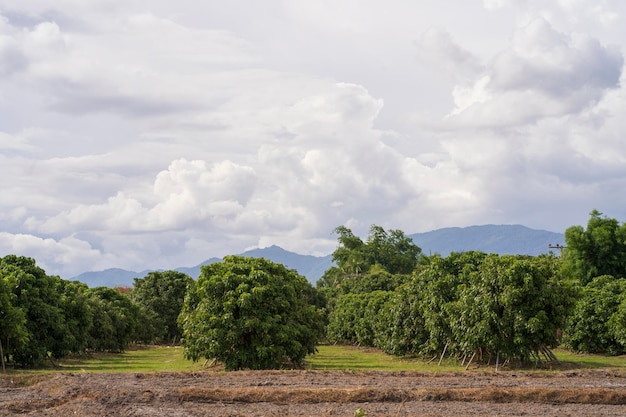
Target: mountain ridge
x,y
500,239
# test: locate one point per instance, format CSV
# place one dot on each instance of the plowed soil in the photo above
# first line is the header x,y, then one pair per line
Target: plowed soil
x,y
315,393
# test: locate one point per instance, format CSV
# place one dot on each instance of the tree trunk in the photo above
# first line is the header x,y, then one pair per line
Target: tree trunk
x,y
4,369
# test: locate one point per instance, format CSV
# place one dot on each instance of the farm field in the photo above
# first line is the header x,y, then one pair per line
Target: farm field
x,y
155,382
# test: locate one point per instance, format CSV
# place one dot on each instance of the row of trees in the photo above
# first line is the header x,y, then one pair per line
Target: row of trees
x,y
253,313
45,317
513,307
505,307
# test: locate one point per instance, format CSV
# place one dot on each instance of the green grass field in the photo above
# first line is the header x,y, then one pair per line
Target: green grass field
x,y
329,357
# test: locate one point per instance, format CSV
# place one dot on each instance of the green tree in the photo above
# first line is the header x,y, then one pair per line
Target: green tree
x,y
395,252
250,313
162,293
597,323
436,286
115,320
392,250
77,312
356,318
37,295
512,306
598,250
401,328
13,332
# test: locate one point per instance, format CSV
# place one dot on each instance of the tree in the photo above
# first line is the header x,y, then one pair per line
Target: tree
x,y
512,306
77,312
13,332
356,318
162,293
37,295
250,313
393,251
597,323
115,320
436,287
598,250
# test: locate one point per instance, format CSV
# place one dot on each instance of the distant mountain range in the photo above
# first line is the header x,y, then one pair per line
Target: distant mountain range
x,y
500,239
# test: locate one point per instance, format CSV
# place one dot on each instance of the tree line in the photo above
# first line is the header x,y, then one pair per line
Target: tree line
x,y
47,318
382,291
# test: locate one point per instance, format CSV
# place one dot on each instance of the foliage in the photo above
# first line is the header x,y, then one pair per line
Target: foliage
x,y
161,294
381,263
401,328
597,324
355,318
250,313
392,250
13,332
438,287
116,320
36,294
77,311
598,250
511,305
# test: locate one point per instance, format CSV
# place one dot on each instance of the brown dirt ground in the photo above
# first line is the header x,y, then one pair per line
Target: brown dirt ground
x,y
315,393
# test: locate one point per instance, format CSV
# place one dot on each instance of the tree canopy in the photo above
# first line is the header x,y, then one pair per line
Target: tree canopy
x,y
163,294
598,250
392,250
250,313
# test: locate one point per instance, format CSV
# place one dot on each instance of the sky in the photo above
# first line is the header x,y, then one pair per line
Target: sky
x,y
156,134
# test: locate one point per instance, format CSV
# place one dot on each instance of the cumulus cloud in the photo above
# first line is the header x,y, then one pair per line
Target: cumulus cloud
x,y
187,193
68,256
144,135
545,73
438,49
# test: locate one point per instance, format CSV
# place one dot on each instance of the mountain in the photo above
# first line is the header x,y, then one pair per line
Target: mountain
x,y
501,239
312,267
113,277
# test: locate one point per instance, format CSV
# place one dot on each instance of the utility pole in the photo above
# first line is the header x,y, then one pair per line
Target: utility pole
x,y
557,246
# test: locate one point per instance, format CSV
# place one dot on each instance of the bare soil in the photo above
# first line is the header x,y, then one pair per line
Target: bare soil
x,y
315,393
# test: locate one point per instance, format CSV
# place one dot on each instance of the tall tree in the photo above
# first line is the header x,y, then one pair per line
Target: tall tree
x,y
598,250
37,294
597,323
250,313
116,319
164,294
392,250
13,332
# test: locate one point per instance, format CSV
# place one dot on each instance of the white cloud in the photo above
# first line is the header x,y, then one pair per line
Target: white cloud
x,y
68,256
187,193
147,134
544,73
437,48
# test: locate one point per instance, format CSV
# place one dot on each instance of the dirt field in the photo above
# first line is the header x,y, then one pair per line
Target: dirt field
x,y
315,393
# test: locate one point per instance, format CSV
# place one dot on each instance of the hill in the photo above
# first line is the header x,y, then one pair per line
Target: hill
x,y
501,239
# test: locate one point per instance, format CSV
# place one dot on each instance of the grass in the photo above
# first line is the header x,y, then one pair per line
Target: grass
x,y
335,357
587,361
137,359
328,357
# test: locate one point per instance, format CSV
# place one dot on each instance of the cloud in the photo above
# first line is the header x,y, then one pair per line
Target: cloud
x,y
187,193
134,71
545,73
160,135
68,256
439,50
